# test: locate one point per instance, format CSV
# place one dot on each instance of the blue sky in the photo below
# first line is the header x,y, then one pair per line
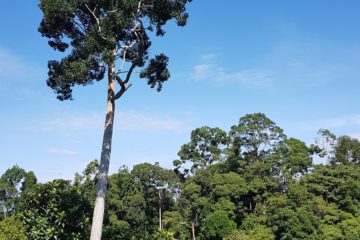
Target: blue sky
x,y
296,61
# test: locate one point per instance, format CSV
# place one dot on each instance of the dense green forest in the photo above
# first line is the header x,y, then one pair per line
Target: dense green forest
x,y
252,182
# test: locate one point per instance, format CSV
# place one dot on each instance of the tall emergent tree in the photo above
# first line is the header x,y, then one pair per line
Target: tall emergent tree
x,y
100,36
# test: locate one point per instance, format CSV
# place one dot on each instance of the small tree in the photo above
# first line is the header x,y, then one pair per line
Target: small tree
x,y
159,185
100,36
205,148
13,183
256,135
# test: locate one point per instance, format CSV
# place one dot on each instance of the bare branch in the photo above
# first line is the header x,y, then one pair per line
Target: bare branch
x,y
78,23
82,29
92,12
127,47
139,7
96,19
137,18
120,81
123,61
132,67
123,83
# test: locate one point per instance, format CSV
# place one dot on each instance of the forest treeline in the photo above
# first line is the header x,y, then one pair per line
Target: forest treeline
x,y
250,183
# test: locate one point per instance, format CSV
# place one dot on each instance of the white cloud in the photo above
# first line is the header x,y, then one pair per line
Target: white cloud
x,y
208,56
291,64
133,121
68,124
342,121
63,151
338,122
252,77
334,123
203,71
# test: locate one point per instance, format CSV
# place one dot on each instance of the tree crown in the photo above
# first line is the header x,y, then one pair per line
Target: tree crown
x,y
97,33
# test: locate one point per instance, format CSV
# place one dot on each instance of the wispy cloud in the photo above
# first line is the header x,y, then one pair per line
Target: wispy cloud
x,y
71,123
16,70
134,121
342,121
293,64
10,64
303,64
203,71
208,56
63,151
334,123
68,124
13,66
208,69
212,72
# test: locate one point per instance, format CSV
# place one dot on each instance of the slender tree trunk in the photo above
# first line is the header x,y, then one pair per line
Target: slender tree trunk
x,y
160,215
193,230
98,216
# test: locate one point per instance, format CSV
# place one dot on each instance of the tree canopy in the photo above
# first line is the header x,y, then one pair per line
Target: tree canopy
x,y
276,194
93,34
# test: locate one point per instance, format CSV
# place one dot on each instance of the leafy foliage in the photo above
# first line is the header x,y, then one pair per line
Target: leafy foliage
x,y
347,151
271,192
13,183
12,229
205,148
55,210
255,135
259,232
95,33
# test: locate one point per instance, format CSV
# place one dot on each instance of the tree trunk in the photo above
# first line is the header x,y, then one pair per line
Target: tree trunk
x,y
98,216
160,214
193,230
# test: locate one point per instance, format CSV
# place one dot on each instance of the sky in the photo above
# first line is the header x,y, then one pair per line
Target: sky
x,y
296,61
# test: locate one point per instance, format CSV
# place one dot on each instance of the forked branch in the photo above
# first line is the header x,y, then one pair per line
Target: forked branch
x,y
123,89
96,19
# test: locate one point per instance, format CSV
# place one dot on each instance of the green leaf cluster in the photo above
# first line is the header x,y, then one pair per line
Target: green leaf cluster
x,y
12,229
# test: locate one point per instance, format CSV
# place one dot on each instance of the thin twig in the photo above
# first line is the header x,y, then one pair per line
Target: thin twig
x,y
81,27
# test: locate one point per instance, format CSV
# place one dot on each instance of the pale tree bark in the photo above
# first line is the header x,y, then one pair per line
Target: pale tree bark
x,y
98,216
193,230
160,214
